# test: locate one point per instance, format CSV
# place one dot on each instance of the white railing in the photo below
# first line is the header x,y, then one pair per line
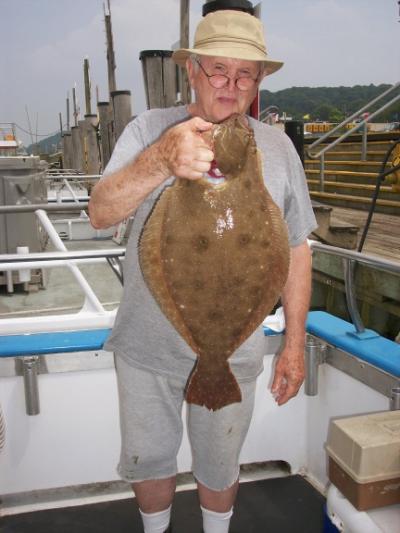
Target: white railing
x,y
91,315
361,125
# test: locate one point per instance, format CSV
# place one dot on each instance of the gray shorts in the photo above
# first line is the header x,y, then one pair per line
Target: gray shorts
x,y
152,428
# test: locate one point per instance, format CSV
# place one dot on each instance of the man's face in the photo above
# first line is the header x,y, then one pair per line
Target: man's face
x,y
214,104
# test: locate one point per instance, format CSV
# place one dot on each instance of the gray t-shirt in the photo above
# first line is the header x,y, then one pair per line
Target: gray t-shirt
x,y
142,335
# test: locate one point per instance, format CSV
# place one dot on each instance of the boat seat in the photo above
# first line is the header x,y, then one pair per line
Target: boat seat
x,y
52,342
368,346
60,342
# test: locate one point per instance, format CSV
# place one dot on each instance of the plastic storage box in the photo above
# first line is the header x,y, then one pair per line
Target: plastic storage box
x,y
364,458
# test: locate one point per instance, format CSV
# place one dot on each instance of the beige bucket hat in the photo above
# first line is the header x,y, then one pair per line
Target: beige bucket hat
x,y
228,33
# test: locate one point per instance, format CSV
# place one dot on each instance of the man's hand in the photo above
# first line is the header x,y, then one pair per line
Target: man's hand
x,y
184,151
289,375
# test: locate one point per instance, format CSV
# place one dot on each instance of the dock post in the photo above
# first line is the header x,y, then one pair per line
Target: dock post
x,y
159,74
90,144
121,101
67,149
77,157
106,132
185,90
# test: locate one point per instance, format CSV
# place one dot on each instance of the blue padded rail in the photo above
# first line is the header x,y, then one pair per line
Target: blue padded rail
x,y
372,348
53,342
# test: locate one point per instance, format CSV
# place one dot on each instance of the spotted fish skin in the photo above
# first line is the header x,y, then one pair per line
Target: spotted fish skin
x,y
216,257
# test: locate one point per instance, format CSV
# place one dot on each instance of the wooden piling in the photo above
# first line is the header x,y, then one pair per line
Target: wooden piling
x,y
111,66
68,122
106,132
86,78
159,75
77,152
121,102
67,149
91,150
185,91
75,106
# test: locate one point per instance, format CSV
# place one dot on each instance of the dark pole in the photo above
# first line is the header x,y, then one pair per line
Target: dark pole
x,y
236,5
111,66
184,43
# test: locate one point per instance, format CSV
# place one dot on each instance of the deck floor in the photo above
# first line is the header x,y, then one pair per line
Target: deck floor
x,y
281,505
383,238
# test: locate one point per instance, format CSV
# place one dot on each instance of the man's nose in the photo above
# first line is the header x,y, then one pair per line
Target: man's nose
x,y
231,85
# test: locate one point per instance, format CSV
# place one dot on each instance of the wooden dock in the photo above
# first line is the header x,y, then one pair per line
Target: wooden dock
x,y
383,237
378,293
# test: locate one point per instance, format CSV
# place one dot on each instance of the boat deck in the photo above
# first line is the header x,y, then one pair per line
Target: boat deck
x,y
285,505
63,294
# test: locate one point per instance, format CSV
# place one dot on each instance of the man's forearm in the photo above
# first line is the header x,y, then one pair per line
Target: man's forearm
x,y
181,151
117,195
296,297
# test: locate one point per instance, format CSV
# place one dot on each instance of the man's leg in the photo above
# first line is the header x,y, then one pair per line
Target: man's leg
x,y
154,498
218,501
217,438
155,495
151,433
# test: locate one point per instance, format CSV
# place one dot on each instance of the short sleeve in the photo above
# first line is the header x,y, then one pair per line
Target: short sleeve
x,y
298,211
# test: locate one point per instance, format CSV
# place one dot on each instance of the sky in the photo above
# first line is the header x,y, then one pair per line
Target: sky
x,y
44,43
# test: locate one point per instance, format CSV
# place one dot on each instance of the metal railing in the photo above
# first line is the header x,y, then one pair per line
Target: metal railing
x,y
350,258
357,127
92,313
59,258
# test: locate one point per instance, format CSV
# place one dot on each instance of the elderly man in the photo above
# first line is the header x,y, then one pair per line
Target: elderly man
x,y
225,67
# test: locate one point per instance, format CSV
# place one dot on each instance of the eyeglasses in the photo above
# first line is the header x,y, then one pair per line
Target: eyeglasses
x,y
218,81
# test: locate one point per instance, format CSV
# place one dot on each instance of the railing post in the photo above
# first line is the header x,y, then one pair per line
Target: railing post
x,y
348,266
30,372
313,358
322,173
364,142
395,399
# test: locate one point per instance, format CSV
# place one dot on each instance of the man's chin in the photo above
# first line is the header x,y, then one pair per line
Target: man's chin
x,y
223,114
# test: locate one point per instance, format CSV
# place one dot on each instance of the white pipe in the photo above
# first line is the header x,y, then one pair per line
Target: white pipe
x,y
10,285
71,190
9,267
24,273
73,177
90,297
69,322
71,255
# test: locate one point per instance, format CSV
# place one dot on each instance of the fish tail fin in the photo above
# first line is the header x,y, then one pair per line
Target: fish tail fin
x,y
213,388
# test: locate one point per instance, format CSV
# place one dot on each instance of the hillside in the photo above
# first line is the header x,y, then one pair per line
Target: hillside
x,y
318,103
328,103
46,146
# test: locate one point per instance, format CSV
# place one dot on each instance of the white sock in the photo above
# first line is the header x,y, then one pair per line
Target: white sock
x,y
214,522
156,522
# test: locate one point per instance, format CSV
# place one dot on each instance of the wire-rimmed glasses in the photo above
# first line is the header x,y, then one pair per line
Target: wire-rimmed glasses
x,y
219,81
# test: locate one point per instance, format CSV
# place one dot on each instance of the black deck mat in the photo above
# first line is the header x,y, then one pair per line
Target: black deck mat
x,y
280,505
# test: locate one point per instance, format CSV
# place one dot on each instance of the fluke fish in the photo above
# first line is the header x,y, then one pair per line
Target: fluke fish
x,y
215,255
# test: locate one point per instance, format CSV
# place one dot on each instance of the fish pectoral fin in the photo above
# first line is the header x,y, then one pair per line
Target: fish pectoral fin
x,y
213,387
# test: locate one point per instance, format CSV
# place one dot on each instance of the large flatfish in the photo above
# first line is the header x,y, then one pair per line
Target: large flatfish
x,y
215,255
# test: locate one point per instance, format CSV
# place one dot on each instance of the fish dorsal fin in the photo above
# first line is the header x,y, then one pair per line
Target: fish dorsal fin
x,y
151,263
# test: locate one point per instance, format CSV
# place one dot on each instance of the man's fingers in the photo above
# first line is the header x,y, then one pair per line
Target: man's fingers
x,y
198,124
288,391
204,154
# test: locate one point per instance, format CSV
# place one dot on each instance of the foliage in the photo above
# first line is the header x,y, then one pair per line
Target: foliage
x,y
46,146
329,103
